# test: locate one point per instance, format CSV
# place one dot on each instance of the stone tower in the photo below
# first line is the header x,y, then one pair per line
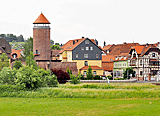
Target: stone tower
x,y
41,38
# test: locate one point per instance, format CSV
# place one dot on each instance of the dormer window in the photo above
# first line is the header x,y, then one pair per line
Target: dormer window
x,y
87,42
153,55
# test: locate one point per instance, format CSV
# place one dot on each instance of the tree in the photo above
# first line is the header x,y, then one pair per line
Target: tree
x,y
30,61
3,57
69,71
62,76
17,64
28,47
127,73
55,47
89,73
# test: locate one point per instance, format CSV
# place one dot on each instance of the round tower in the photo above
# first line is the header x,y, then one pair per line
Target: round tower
x,y
41,38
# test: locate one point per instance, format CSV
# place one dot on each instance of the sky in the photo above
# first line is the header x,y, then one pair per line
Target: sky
x,y
113,21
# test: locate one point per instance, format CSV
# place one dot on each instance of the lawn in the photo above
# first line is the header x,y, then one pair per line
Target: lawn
x,y
79,107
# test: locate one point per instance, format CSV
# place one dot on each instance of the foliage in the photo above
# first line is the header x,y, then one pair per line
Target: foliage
x,y
17,64
4,64
97,77
62,76
3,57
75,79
89,73
30,61
69,71
28,47
11,37
127,73
55,47
7,75
28,78
118,78
109,77
51,81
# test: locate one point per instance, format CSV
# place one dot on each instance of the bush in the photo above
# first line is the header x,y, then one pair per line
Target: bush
x,y
17,64
74,79
119,79
7,75
51,81
62,76
28,78
109,77
97,77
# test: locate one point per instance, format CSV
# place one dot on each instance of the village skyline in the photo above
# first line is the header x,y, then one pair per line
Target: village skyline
x,y
112,21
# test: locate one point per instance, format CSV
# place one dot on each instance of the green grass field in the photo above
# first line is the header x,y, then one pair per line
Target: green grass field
x,y
79,107
115,99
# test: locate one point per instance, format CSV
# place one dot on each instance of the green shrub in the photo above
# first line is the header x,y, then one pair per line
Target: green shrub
x,y
17,64
51,81
97,77
109,77
28,78
7,75
74,79
119,79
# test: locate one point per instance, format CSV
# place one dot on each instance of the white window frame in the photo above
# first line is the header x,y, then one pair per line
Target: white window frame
x,y
94,72
91,48
87,48
76,55
85,73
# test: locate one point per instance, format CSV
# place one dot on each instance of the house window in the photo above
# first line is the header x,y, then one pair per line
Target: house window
x,y
134,55
82,48
85,55
14,55
141,62
91,48
153,55
87,42
87,48
76,55
36,51
141,73
86,63
94,73
96,55
84,73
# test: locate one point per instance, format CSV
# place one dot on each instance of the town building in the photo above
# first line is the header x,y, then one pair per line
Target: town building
x,y
85,52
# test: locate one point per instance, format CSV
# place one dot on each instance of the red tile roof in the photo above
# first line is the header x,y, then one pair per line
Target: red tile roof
x,y
16,52
41,20
108,58
93,68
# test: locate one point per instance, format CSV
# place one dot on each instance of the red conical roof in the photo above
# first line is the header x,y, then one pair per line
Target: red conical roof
x,y
41,20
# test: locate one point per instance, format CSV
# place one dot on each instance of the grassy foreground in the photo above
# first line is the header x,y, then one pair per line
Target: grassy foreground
x,y
79,107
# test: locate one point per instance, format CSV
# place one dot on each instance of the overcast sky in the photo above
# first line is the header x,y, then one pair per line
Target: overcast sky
x,y
115,21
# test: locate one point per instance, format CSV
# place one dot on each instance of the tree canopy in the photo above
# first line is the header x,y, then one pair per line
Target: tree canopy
x,y
11,37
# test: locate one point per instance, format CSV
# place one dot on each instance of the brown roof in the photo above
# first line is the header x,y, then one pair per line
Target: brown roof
x,y
120,48
41,20
4,46
55,52
70,46
93,68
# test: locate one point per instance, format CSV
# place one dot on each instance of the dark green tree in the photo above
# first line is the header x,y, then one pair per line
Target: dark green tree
x,y
127,73
28,47
55,47
17,64
89,73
